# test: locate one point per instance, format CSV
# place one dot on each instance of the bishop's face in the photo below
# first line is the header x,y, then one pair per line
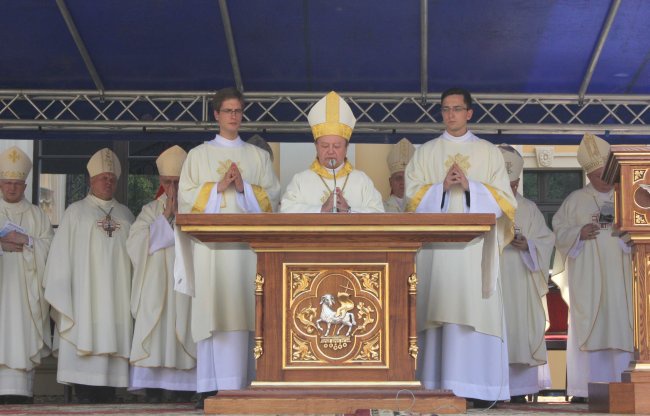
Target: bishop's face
x,y
331,148
103,186
599,184
13,190
169,185
396,182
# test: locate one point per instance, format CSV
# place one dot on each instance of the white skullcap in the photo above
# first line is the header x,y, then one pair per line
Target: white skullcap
x,y
592,152
400,155
331,115
170,161
14,164
104,161
514,161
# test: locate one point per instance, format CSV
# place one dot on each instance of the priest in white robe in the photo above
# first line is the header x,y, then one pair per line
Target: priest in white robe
x,y
525,264
224,175
25,237
460,307
88,283
399,157
331,184
163,353
598,266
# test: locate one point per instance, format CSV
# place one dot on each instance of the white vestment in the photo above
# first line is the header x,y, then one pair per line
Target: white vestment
x,y
88,283
309,189
25,335
600,292
221,280
459,287
524,277
163,354
394,204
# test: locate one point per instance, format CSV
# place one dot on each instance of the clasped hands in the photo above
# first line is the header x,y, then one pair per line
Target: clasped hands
x,y
232,176
14,241
341,204
171,206
455,176
589,231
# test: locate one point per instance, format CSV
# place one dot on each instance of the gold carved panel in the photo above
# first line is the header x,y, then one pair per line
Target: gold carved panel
x,y
638,174
335,316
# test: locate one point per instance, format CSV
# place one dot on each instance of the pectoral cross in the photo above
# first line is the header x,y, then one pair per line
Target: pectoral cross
x,y
108,224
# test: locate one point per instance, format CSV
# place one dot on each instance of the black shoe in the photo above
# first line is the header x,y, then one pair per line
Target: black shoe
x,y
202,396
13,399
518,399
154,395
483,404
578,400
179,396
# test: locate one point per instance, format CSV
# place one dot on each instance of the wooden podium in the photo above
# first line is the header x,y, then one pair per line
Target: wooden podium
x,y
628,168
335,308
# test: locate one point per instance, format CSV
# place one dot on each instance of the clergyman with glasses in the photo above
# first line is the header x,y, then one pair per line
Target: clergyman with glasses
x,y
223,175
460,313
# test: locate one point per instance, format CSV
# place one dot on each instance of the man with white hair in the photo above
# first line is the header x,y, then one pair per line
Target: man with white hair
x,y
163,354
399,157
598,264
331,184
524,266
88,283
25,237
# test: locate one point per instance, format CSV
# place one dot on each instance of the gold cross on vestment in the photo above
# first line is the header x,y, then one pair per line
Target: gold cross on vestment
x,y
108,224
14,156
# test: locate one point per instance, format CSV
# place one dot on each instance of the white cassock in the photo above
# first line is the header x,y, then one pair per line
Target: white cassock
x,y
163,353
394,204
309,189
460,306
25,335
221,281
88,283
524,279
600,339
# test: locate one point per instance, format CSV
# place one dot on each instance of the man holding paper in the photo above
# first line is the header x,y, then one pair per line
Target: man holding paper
x,y
25,239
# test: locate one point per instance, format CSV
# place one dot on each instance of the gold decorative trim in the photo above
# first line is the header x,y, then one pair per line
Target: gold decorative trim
x,y
364,314
347,229
259,284
638,174
300,282
302,351
640,218
335,383
258,350
413,348
306,317
413,284
370,349
333,250
369,281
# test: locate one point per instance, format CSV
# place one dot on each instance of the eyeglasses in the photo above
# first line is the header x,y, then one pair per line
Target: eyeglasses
x,y
458,109
230,111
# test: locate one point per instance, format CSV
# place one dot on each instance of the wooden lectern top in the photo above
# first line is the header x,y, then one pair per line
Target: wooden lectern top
x,y
335,228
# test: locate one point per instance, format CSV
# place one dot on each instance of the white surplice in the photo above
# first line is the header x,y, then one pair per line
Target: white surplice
x,y
394,204
459,287
88,283
163,354
221,280
25,335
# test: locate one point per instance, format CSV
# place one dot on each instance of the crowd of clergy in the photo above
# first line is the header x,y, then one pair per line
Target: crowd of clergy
x,y
137,304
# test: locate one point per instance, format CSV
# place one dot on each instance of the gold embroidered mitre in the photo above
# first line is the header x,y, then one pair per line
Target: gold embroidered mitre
x,y
14,164
331,115
170,162
592,152
514,161
400,155
104,161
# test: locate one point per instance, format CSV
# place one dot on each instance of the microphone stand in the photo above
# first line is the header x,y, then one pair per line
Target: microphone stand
x,y
332,162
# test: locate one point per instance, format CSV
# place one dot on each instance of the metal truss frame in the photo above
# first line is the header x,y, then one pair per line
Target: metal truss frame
x,y
286,112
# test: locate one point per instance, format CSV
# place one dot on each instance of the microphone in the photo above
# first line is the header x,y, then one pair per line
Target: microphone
x,y
332,163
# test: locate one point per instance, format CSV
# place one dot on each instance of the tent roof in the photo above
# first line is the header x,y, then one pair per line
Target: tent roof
x,y
313,46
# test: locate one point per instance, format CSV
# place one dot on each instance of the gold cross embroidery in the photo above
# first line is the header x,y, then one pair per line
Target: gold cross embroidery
x,y
14,156
461,160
